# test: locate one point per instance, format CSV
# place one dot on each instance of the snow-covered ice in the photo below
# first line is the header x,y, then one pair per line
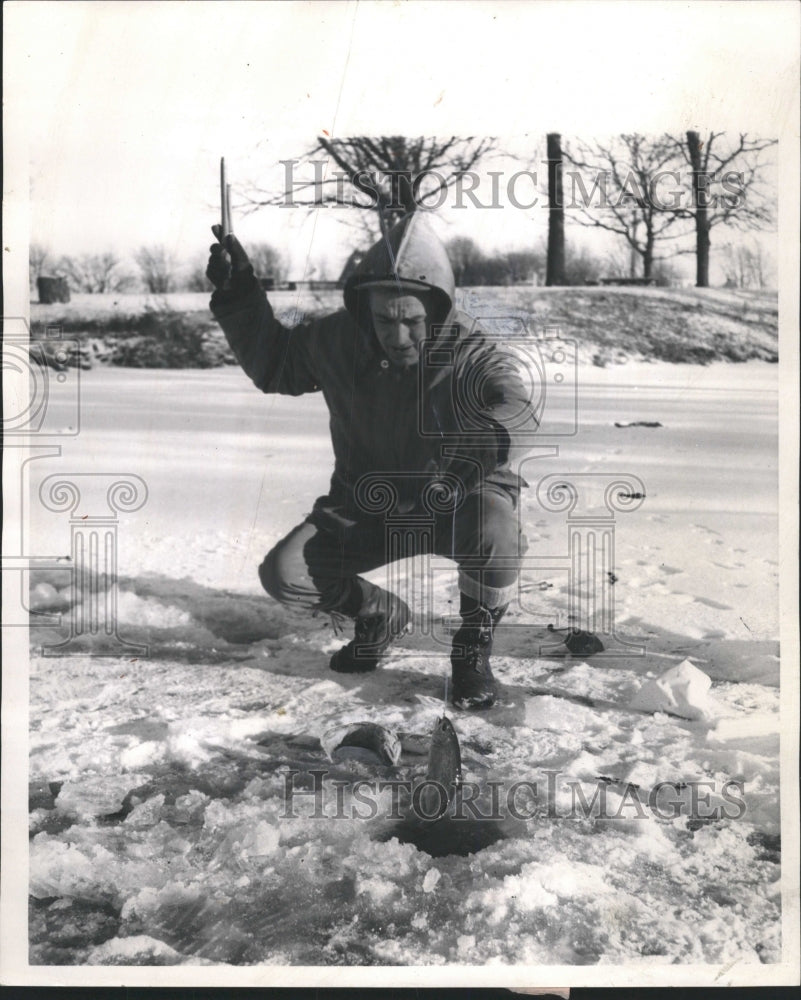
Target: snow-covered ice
x,y
161,828
682,690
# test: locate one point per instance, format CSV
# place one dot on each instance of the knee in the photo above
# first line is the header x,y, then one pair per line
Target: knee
x,y
274,574
496,526
502,538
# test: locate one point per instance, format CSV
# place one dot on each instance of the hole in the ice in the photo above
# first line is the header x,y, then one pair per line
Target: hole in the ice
x,y
144,728
768,845
449,836
43,794
695,823
52,823
236,618
216,782
182,620
72,922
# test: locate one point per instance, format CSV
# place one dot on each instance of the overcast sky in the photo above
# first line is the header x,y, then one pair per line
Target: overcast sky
x,y
122,109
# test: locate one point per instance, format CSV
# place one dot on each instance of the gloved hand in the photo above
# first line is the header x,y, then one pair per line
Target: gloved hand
x,y
229,267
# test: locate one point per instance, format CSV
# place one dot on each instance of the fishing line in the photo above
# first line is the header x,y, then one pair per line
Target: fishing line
x,y
453,535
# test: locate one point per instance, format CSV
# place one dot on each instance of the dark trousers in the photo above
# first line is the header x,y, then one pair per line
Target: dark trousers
x,y
316,564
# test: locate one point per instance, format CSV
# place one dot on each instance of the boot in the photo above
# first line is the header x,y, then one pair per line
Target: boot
x,y
473,685
380,619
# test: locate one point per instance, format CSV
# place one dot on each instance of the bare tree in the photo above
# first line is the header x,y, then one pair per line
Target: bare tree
x,y
728,188
733,264
157,266
267,261
746,265
523,266
471,266
582,266
463,253
195,279
385,175
96,273
626,173
666,274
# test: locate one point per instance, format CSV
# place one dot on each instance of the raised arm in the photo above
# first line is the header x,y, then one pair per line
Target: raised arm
x,y
277,358
496,413
506,404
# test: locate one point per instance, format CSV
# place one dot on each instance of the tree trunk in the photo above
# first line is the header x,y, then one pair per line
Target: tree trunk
x,y
700,201
633,252
702,244
555,269
648,258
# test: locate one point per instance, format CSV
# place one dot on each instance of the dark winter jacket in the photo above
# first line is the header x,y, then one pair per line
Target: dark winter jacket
x,y
461,411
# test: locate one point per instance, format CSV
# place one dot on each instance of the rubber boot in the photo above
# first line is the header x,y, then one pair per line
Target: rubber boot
x,y
380,619
473,685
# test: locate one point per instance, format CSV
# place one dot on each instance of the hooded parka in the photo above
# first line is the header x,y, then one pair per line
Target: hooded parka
x,y
462,413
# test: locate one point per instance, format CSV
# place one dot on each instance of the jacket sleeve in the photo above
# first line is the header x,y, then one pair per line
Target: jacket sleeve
x,y
277,358
496,412
507,405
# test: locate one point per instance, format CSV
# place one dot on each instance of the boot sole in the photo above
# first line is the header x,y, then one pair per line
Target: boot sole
x,y
366,664
354,667
472,705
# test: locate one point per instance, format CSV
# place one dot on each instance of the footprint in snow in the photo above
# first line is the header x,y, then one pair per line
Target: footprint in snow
x,y
713,604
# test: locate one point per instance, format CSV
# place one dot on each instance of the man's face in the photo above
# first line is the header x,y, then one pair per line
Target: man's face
x,y
400,324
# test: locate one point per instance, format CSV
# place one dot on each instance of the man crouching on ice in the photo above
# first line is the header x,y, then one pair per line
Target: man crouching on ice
x,y
395,362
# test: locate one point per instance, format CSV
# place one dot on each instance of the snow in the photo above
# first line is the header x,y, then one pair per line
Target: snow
x,y
432,876
137,949
683,690
163,780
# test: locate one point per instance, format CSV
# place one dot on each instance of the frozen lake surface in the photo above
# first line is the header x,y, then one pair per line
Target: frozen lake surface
x,y
162,830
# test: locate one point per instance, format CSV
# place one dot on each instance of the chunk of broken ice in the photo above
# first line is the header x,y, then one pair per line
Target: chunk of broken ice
x,y
683,690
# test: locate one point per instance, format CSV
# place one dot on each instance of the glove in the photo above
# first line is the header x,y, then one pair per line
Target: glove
x,y
229,268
